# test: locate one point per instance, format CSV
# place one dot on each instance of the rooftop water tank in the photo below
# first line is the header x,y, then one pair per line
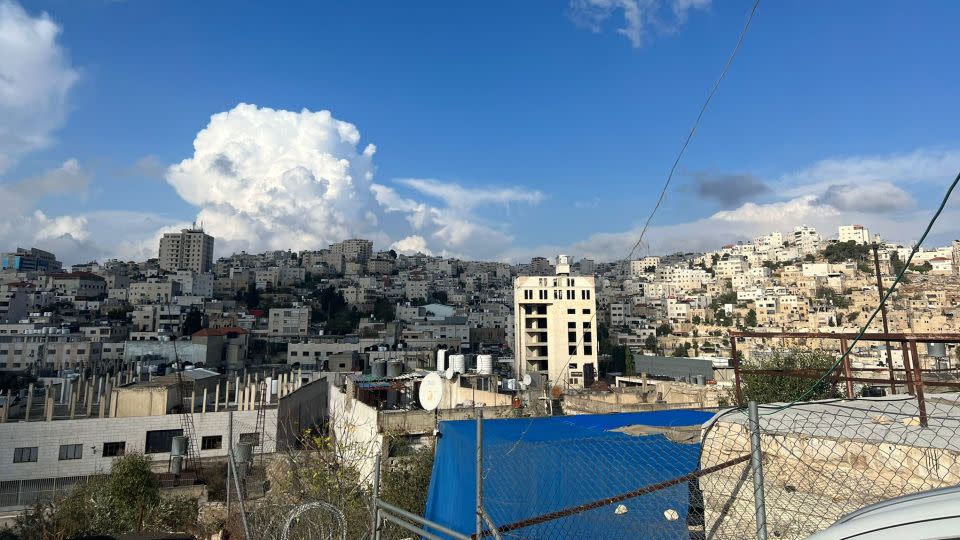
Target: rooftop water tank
x,y
394,368
244,452
442,360
485,364
178,447
458,362
378,369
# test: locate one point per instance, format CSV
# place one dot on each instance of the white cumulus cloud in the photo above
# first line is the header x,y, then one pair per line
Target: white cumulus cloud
x,y
411,245
274,179
35,78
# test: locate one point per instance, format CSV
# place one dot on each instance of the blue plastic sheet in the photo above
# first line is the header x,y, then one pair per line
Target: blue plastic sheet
x,y
540,465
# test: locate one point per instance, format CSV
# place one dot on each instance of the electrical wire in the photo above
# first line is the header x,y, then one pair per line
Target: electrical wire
x,y
693,129
883,301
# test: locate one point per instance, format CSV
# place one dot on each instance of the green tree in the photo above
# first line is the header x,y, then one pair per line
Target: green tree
x,y
751,320
252,297
438,297
679,351
696,319
896,264
384,310
922,268
406,481
650,343
846,251
832,297
125,501
664,329
782,388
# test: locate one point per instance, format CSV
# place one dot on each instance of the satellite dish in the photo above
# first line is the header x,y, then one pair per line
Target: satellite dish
x,y
527,379
448,373
431,390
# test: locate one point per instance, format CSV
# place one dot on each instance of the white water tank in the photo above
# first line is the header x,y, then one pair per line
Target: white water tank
x,y
511,384
459,363
178,447
442,360
485,364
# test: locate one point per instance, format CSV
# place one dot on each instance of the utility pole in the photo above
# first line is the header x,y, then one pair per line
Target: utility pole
x,y
883,315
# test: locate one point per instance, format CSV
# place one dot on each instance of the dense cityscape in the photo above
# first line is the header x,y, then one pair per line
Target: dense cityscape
x,y
587,269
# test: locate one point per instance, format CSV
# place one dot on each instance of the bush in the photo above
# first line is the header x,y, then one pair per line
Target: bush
x,y
126,500
778,388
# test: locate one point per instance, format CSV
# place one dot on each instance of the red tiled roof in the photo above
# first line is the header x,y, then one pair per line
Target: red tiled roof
x,y
220,331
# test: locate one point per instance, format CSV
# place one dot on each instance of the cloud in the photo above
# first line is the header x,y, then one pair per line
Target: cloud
x,y
35,78
457,196
411,245
148,166
923,165
272,179
872,198
640,17
730,190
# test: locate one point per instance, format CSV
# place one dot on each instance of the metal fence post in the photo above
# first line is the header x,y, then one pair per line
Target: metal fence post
x,y
229,457
479,473
756,464
375,515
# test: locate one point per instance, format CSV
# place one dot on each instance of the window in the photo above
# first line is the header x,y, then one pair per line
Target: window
x,y
572,365
71,451
588,349
571,311
25,455
572,324
571,294
293,353
572,337
585,294
211,442
571,349
586,311
161,440
250,438
588,337
586,325
543,294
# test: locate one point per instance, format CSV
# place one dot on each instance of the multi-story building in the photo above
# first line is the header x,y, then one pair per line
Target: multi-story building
x,y
293,321
153,290
355,249
555,326
80,285
189,249
30,260
854,233
193,283
806,239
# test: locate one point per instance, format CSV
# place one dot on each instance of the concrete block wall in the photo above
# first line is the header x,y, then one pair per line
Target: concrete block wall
x,y
94,432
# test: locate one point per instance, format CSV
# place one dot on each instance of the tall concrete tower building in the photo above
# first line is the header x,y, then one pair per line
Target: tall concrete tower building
x,y
556,326
189,249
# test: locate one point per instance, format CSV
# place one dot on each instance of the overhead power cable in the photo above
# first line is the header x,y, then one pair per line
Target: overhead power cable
x,y
693,129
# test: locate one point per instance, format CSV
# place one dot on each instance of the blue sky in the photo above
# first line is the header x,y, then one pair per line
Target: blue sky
x,y
502,129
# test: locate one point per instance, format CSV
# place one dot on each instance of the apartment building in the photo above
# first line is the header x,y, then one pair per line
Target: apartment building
x,y
189,249
354,249
555,326
293,321
30,260
854,233
80,285
153,290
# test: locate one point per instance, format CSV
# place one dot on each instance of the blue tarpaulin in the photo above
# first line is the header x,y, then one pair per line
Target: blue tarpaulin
x,y
533,466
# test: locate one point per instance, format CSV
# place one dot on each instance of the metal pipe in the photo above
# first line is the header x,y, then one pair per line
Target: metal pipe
x,y
756,464
918,383
908,373
421,520
735,360
375,511
243,511
479,509
846,367
229,453
883,315
412,528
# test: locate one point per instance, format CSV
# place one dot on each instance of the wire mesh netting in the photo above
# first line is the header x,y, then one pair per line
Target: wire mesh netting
x,y
820,461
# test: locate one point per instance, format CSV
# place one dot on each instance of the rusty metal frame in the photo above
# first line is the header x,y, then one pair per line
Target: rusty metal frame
x,y
912,369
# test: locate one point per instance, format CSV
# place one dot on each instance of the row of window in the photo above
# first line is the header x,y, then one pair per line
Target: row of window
x,y
158,441
542,294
